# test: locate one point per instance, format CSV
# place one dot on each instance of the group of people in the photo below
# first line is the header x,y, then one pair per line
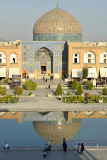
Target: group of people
x,y
80,148
47,148
45,79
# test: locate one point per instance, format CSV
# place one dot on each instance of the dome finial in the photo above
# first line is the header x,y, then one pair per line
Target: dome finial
x,y
57,3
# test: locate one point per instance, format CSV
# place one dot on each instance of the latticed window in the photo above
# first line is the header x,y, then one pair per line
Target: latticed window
x,y
89,57
103,57
2,58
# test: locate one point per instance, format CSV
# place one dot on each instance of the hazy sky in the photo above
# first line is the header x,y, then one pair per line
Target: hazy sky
x,y
17,17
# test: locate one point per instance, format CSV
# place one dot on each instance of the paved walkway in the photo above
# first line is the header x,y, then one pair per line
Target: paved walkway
x,y
42,104
89,154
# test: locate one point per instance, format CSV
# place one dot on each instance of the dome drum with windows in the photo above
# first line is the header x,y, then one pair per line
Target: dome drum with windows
x,y
57,25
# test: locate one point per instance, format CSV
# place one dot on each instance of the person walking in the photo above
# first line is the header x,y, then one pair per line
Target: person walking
x,y
82,148
49,86
64,145
49,145
79,148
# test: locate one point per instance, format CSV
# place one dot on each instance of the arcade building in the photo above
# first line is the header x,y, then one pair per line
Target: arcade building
x,y
57,50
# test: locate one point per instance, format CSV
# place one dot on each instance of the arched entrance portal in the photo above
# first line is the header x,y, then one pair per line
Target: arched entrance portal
x,y
43,61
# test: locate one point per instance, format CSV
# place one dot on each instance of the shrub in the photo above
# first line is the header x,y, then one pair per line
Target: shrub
x,y
71,98
30,92
105,91
92,98
29,85
6,80
59,90
75,98
18,90
81,99
2,90
80,89
68,93
102,81
89,86
74,84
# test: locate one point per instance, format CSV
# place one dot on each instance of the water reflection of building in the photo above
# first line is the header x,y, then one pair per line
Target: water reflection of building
x,y
11,115
53,125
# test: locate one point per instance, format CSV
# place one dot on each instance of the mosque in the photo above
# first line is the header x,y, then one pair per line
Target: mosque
x,y
57,50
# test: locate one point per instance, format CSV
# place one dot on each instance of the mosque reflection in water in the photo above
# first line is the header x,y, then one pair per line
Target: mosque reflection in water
x,y
53,125
49,125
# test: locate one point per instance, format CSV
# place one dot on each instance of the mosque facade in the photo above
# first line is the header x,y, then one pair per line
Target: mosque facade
x,y
57,50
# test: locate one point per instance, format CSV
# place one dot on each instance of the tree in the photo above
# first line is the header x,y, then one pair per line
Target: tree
x,y
80,89
59,90
74,84
85,71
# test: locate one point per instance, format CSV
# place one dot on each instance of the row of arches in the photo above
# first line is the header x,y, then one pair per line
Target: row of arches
x,y
90,57
13,58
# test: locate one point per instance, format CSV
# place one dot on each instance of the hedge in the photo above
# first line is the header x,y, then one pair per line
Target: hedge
x,y
29,85
18,90
2,90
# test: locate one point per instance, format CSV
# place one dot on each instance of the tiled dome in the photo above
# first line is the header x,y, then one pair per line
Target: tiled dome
x,y
57,21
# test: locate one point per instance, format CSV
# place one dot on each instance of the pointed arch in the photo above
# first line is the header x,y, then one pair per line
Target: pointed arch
x,y
44,60
89,57
13,58
76,57
103,57
2,58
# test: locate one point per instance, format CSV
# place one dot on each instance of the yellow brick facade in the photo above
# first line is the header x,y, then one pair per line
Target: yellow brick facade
x,y
82,48
8,50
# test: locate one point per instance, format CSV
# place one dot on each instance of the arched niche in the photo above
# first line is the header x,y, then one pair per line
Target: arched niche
x,y
89,57
103,57
44,60
2,58
13,58
76,57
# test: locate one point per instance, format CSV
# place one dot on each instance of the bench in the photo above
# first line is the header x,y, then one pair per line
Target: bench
x,y
74,101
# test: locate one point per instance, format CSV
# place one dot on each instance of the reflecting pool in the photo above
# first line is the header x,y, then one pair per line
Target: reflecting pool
x,y
34,129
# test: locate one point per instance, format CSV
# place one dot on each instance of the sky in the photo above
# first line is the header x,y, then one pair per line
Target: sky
x,y
17,17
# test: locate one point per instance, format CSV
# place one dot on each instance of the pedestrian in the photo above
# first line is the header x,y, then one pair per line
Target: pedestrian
x,y
6,145
49,145
64,144
82,148
43,78
49,86
79,148
44,153
64,140
46,147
